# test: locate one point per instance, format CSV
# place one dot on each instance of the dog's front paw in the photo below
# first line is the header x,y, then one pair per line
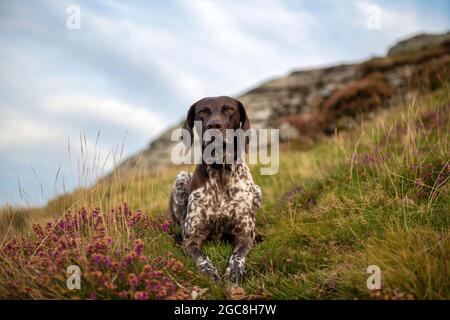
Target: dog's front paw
x,y
235,271
205,265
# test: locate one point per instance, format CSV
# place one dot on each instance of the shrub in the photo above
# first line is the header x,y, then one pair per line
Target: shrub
x,y
111,267
359,97
418,56
431,75
306,125
376,65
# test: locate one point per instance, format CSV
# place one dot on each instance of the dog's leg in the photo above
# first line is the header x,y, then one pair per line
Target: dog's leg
x,y
179,198
194,234
244,234
192,246
257,197
236,266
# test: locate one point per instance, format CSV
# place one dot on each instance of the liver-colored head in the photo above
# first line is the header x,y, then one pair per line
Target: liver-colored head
x,y
219,113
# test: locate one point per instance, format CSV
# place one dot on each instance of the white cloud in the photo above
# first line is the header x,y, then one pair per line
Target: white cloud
x,y
273,18
231,45
20,131
22,136
107,111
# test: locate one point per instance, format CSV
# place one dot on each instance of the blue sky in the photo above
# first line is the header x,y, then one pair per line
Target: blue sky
x,y
134,67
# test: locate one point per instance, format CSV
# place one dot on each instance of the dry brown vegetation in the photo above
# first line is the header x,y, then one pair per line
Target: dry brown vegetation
x,y
414,57
431,75
372,90
362,96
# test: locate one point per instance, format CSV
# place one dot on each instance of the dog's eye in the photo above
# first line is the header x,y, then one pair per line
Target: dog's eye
x,y
228,110
203,113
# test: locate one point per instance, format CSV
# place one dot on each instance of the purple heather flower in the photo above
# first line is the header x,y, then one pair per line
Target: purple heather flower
x,y
96,258
139,247
290,194
367,159
141,295
133,279
106,261
419,183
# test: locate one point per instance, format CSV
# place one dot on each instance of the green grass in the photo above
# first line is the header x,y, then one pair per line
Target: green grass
x,y
379,195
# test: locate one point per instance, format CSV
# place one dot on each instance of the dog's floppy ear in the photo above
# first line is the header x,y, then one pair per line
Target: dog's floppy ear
x,y
189,126
245,122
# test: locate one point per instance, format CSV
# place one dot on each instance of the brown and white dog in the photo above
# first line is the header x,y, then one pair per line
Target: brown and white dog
x,y
216,200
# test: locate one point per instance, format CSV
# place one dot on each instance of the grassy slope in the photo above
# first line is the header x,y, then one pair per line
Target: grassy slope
x,y
378,195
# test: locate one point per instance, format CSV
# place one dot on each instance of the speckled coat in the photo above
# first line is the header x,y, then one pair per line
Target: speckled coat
x,y
216,202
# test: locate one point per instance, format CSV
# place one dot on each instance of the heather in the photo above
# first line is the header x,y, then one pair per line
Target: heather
x,y
417,57
108,248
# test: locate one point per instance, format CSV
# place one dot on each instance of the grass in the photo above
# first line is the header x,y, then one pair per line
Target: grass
x,y
378,195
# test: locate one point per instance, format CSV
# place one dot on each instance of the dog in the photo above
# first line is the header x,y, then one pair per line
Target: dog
x,y
217,200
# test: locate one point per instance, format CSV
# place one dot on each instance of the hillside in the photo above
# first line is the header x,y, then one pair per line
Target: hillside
x,y
364,180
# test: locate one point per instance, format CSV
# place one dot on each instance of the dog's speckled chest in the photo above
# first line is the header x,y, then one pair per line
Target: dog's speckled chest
x,y
220,199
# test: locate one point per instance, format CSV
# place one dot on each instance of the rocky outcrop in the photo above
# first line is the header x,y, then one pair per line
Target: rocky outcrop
x,y
418,42
298,93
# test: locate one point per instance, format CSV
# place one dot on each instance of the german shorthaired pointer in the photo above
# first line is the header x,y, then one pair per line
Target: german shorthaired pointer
x,y
217,200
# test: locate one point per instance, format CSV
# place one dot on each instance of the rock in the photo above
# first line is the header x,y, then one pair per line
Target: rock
x,y
288,132
418,42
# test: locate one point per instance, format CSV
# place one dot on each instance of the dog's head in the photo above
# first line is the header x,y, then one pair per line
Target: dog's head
x,y
217,114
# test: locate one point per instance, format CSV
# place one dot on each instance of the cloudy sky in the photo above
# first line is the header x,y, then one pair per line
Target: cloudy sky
x,y
134,67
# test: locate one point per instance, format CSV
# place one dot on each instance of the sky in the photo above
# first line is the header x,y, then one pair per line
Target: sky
x,y
74,101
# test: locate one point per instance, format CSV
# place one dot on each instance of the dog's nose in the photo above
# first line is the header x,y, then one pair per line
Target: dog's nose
x,y
214,125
